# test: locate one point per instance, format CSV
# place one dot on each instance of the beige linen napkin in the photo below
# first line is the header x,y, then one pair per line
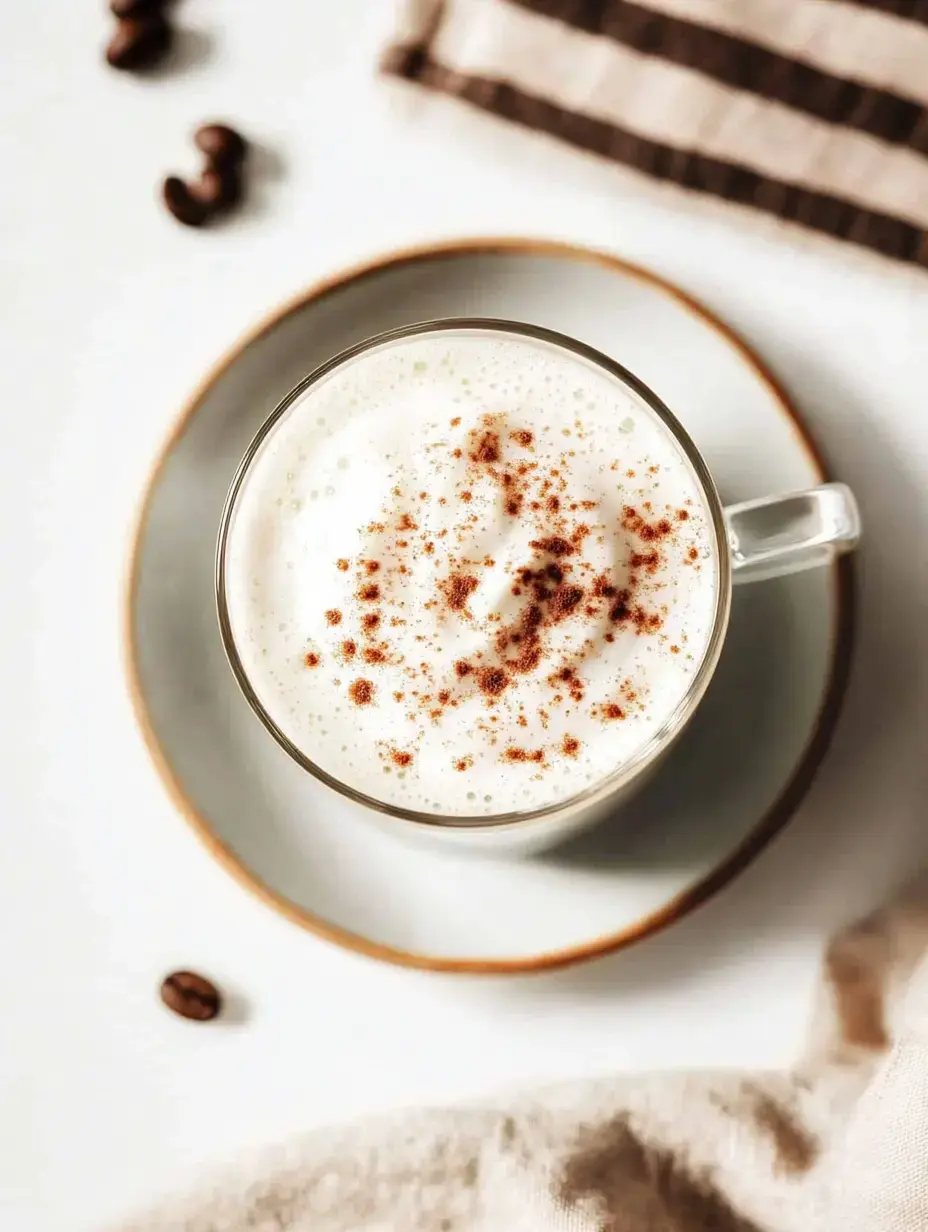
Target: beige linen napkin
x,y
812,111
838,1143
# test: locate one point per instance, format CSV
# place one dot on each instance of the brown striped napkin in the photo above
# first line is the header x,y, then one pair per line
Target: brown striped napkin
x,y
814,111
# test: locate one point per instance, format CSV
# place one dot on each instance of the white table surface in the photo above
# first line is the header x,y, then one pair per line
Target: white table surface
x,y
110,313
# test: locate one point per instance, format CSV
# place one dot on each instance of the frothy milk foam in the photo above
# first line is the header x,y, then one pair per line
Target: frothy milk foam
x,y
469,573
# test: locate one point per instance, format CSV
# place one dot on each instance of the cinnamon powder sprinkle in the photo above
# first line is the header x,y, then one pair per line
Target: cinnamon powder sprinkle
x,y
633,521
492,681
558,582
528,658
568,677
646,622
485,447
554,544
564,601
516,754
361,692
645,560
620,610
458,589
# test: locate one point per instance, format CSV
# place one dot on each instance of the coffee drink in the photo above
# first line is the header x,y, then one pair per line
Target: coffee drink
x,y
219,186
471,573
191,996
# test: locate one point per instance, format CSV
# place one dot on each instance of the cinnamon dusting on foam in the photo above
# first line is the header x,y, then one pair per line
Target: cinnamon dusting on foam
x,y
556,583
510,555
361,692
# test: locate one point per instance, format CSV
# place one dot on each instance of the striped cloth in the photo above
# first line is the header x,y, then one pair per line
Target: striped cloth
x,y
814,111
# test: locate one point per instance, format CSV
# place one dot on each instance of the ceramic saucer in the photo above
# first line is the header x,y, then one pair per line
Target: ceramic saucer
x,y
735,778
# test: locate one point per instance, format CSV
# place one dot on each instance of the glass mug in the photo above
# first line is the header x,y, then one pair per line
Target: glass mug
x,y
751,541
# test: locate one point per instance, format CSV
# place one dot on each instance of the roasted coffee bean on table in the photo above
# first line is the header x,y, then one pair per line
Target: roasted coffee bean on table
x,y
219,186
210,188
136,8
139,41
223,146
191,995
185,205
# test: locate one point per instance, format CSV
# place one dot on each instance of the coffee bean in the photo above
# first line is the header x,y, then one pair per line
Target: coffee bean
x,y
223,146
218,190
139,42
219,186
187,208
136,8
210,188
191,995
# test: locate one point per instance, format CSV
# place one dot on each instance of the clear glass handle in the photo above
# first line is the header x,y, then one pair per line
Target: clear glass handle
x,y
784,534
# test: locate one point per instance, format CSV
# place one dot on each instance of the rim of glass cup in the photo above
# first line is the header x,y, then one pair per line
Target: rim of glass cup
x,y
665,734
